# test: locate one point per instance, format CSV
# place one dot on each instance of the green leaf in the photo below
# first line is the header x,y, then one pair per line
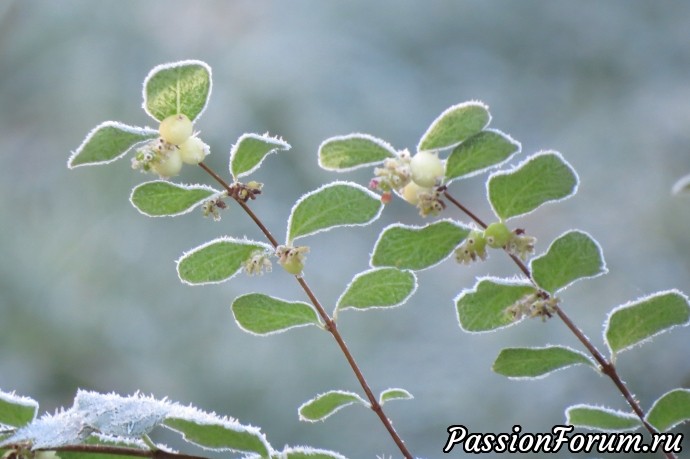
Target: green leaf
x,y
572,256
220,436
324,405
349,152
533,363
250,150
165,199
417,247
482,151
638,321
178,87
334,204
455,125
264,315
217,260
306,452
541,178
483,308
378,288
16,411
598,418
108,142
670,410
394,394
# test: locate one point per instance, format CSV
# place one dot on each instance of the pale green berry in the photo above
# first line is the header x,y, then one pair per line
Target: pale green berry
x,y
175,129
169,165
497,235
426,169
193,150
412,191
476,241
293,266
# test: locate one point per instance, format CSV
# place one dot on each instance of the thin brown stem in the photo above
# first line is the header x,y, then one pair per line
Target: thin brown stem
x,y
607,367
328,321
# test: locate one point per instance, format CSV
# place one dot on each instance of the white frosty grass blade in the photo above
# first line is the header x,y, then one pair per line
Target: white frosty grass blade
x,y
177,87
349,152
417,247
394,394
161,198
334,204
108,142
600,418
455,125
482,151
217,260
324,405
483,307
307,452
220,435
541,178
533,363
638,321
378,288
682,186
670,410
572,256
250,150
15,410
264,315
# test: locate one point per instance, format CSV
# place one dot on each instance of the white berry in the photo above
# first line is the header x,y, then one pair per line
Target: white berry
x,y
193,150
412,191
175,129
169,165
426,169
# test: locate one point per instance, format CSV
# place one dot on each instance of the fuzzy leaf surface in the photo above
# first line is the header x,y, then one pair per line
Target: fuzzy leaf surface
x,y
346,153
598,418
217,260
541,178
324,405
16,411
108,142
417,247
264,315
305,452
394,394
532,363
483,308
250,150
178,87
482,151
378,288
638,321
572,256
165,199
455,125
670,410
219,436
334,204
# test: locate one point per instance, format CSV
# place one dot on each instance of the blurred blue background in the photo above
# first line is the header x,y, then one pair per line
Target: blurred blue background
x,y
88,291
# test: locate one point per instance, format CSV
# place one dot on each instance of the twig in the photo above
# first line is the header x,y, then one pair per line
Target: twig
x,y
330,324
607,367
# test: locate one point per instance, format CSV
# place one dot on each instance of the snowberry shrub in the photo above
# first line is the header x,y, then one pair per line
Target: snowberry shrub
x,y
458,144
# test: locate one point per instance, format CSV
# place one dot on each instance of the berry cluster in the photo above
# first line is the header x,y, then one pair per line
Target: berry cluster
x,y
177,145
415,179
497,236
